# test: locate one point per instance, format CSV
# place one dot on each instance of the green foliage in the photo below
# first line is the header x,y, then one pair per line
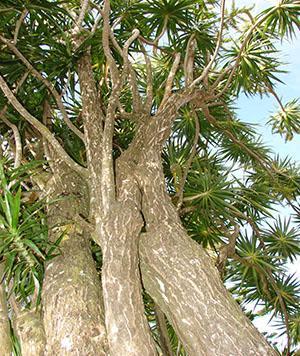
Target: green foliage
x,y
23,235
286,122
282,240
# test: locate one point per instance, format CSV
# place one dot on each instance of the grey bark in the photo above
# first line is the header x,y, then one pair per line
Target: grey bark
x,y
71,295
118,226
183,281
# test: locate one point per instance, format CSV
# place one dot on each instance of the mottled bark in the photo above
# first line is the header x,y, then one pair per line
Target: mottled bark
x,y
93,127
5,343
127,328
71,292
183,281
30,332
118,226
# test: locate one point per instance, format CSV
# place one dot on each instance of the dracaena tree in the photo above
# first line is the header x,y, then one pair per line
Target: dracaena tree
x,y
131,193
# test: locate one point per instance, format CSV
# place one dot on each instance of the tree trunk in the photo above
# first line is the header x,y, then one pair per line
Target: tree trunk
x,y
5,340
71,295
30,332
182,280
127,328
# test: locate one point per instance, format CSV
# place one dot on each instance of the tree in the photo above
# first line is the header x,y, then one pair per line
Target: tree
x,y
123,210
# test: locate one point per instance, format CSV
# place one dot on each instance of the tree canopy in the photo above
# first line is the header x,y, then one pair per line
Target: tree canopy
x,y
168,72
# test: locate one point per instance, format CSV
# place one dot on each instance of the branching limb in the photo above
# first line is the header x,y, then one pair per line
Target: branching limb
x,y
159,36
157,47
214,56
105,42
212,120
238,59
18,25
83,10
17,138
137,105
107,181
170,80
189,61
47,84
273,92
14,128
43,130
227,250
149,90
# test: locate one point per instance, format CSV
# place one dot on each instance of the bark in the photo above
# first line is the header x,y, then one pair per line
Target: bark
x,y
5,341
182,280
71,295
127,328
30,332
118,228
93,121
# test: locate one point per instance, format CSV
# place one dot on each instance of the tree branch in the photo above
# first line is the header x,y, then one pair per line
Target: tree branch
x,y
105,42
16,133
237,61
189,60
149,90
211,119
18,25
80,18
47,84
162,331
43,130
170,79
17,138
219,41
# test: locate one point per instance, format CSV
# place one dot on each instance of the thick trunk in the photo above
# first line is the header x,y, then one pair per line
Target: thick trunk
x,y
182,280
118,228
126,325
72,301
5,341
127,328
71,295
30,331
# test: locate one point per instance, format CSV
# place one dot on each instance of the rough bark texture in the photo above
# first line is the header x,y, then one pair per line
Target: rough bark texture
x,y
30,332
182,280
92,120
71,294
127,328
118,225
180,277
5,343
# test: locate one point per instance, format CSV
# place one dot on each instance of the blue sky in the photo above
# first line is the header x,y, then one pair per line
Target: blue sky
x,y
257,111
